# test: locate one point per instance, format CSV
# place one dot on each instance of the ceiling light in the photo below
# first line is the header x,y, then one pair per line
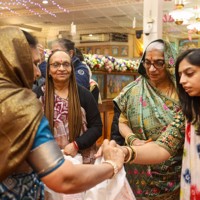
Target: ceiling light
x,y
181,15
197,19
179,4
195,27
178,21
45,2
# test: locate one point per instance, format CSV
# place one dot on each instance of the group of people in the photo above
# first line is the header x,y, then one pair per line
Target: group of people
x,y
151,113
157,118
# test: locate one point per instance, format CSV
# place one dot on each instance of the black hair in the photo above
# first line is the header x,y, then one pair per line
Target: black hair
x,y
32,41
190,105
68,44
79,54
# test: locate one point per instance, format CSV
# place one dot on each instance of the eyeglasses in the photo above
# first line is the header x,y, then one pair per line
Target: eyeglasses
x,y
158,64
57,65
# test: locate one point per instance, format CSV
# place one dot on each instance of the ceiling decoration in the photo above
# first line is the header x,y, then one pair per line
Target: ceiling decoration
x,y
14,5
89,16
181,15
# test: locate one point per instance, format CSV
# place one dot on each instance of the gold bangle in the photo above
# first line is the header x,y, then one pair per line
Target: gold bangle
x,y
114,165
128,138
134,154
130,152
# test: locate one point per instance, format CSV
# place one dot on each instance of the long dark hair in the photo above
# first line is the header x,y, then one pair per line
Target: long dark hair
x,y
74,115
190,105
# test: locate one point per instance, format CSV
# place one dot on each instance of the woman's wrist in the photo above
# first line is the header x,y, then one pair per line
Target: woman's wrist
x,y
130,138
130,154
75,145
114,166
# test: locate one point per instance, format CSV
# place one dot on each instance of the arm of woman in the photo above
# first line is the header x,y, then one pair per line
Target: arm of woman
x,y
169,142
94,123
150,153
71,178
47,160
146,153
63,176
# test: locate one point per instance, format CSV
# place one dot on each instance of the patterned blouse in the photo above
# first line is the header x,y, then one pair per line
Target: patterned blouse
x,y
61,130
91,123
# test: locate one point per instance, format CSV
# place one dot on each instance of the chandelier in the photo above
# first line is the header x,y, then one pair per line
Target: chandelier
x,y
195,25
179,4
180,14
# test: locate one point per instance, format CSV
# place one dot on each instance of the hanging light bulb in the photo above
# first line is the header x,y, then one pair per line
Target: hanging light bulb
x,y
179,4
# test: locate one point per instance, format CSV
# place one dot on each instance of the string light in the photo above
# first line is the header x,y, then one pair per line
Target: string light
x,y
45,2
29,3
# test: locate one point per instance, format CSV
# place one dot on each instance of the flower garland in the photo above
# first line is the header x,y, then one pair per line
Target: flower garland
x,y
109,63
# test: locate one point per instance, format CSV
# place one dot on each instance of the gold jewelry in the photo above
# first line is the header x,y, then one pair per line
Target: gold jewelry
x,y
130,138
132,154
114,165
129,154
47,155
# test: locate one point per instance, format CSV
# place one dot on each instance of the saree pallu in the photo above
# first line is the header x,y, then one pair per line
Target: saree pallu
x,y
20,110
190,181
151,114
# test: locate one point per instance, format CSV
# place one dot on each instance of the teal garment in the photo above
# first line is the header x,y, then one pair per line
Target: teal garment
x,y
27,186
151,114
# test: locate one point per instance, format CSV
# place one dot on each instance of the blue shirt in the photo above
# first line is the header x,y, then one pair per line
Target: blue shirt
x,y
81,72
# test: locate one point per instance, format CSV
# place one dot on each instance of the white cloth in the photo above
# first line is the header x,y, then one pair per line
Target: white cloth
x,y
116,188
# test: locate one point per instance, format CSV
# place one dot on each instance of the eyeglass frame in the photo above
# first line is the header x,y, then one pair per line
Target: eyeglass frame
x,y
60,64
143,62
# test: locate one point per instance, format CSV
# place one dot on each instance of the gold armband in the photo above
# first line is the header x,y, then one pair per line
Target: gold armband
x,y
45,158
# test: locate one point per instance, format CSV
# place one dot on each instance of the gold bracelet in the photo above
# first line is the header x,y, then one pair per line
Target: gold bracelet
x,y
127,137
130,138
114,165
130,152
134,154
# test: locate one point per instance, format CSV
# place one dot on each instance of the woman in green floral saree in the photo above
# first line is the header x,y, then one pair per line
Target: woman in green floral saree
x,y
151,122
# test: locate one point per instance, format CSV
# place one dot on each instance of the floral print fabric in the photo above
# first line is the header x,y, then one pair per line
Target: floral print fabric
x,y
153,115
190,175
